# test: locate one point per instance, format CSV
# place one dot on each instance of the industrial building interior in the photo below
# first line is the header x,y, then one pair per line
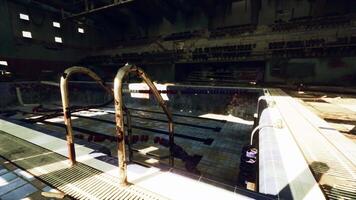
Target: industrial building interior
x,y
177,99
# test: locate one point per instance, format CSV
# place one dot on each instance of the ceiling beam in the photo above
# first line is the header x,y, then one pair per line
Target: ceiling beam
x,y
93,10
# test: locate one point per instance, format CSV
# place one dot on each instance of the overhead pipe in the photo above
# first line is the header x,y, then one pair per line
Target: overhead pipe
x,y
92,10
119,116
42,6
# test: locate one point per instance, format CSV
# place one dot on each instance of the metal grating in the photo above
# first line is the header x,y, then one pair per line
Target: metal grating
x,y
79,181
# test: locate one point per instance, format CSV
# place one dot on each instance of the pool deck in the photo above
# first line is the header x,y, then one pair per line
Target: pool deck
x,y
330,155
148,183
339,110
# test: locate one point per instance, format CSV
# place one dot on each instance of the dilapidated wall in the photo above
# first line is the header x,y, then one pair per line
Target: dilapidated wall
x,y
332,71
29,58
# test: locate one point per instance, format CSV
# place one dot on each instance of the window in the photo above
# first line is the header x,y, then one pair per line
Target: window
x,y
4,72
26,34
80,30
58,39
57,24
2,62
24,17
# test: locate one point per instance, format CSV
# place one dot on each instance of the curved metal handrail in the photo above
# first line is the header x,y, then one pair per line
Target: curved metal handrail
x,y
120,129
65,102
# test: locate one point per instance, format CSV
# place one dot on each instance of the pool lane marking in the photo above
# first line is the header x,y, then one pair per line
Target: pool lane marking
x,y
177,114
206,141
215,129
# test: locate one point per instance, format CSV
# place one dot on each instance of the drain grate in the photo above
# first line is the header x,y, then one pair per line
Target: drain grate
x,y
79,181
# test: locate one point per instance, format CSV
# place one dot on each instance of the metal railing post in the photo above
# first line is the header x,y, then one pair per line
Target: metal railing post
x,y
119,117
129,132
65,103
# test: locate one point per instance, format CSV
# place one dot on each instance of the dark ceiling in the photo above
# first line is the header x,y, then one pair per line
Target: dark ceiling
x,y
143,12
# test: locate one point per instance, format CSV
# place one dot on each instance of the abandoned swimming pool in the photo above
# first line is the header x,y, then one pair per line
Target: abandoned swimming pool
x,y
211,124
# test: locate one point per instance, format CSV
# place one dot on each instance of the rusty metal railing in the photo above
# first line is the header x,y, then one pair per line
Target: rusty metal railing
x,y
65,103
120,108
129,132
66,109
119,116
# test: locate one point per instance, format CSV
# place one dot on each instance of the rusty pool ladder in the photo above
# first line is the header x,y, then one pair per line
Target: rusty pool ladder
x,y
66,109
119,114
120,129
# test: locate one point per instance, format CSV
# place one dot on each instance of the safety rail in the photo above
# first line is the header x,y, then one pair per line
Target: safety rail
x,y
120,108
119,116
67,111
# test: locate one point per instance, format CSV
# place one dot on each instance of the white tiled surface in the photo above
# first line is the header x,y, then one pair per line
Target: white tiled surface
x,y
282,164
20,192
11,185
24,174
15,184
